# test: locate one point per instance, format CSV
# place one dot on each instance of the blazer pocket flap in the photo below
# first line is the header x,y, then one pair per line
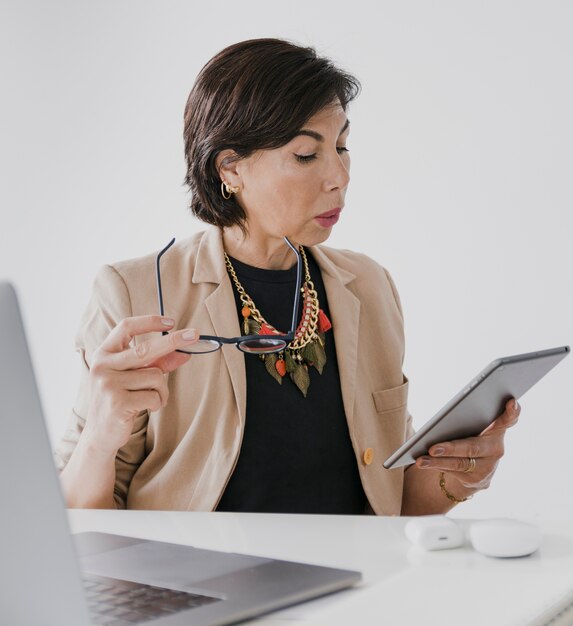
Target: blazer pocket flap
x,y
392,399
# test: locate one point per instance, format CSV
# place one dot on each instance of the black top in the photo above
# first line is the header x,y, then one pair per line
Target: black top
x,y
296,455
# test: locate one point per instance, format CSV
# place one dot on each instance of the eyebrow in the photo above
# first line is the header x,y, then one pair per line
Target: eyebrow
x,y
318,136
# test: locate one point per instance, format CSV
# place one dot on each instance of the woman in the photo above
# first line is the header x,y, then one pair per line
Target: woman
x,y
304,428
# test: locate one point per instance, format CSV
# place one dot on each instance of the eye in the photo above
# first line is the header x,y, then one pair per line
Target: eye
x,y
342,150
305,158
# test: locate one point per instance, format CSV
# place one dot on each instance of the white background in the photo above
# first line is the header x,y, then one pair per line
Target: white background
x,y
462,159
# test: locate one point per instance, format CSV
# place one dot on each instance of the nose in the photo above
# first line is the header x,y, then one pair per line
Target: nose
x,y
338,175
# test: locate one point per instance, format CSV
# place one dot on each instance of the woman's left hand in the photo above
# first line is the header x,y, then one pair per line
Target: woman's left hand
x,y
454,458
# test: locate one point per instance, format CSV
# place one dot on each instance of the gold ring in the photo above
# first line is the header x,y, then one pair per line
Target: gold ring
x,y
471,465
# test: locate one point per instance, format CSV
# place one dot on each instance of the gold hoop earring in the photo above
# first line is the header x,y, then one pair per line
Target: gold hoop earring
x,y
225,187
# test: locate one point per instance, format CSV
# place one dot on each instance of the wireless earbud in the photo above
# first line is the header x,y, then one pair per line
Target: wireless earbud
x,y
434,532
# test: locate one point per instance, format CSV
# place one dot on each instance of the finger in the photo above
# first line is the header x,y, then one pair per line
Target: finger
x,y
145,400
451,464
171,361
119,385
475,447
507,419
131,403
150,379
150,351
144,378
120,337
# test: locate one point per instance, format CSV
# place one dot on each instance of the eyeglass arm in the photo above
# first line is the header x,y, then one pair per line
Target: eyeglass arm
x,y
298,284
158,274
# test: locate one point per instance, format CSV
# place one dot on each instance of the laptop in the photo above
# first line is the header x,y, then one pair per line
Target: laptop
x,y
49,576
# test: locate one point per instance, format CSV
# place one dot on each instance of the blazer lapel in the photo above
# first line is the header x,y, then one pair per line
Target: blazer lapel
x,y
220,304
344,309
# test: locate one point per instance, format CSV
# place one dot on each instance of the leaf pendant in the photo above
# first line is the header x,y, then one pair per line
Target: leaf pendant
x,y
270,364
320,356
280,366
252,327
309,353
290,362
301,378
314,354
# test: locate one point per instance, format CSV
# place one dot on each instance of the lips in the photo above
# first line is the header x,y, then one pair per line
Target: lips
x,y
328,218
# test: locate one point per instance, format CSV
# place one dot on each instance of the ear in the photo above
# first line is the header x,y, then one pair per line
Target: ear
x,y
227,167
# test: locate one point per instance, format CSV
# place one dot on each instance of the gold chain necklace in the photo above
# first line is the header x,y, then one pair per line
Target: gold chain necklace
x,y
306,349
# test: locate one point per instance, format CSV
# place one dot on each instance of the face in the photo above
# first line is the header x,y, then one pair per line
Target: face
x,y
298,189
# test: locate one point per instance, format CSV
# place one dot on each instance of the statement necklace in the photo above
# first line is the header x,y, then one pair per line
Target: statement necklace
x,y
306,349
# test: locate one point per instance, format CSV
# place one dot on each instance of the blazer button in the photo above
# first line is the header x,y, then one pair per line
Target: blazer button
x,y
368,456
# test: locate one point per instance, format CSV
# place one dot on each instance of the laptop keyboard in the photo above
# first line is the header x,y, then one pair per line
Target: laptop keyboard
x,y
113,602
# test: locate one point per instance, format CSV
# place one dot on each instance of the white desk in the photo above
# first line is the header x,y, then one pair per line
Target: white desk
x,y
402,584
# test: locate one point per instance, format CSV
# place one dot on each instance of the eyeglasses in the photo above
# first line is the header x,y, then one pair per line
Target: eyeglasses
x,y
251,344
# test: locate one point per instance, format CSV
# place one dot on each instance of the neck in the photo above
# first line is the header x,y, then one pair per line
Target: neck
x,y
270,253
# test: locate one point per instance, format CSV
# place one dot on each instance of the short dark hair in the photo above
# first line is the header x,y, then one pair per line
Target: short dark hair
x,y
253,95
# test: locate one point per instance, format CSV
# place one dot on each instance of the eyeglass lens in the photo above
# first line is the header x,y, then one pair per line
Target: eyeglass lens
x,y
204,346
262,345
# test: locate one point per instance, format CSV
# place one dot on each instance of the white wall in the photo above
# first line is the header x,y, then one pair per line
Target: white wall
x,y
462,158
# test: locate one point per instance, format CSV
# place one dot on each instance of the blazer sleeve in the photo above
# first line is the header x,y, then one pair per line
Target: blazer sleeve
x,y
109,304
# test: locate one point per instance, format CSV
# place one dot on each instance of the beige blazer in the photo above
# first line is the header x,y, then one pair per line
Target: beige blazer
x,y
181,457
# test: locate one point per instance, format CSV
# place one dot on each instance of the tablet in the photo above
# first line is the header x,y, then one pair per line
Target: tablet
x,y
479,402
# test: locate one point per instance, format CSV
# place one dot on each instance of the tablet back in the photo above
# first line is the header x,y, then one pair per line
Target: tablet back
x,y
480,402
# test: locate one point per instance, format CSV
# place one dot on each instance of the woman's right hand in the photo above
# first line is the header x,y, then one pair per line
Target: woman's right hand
x,y
126,379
